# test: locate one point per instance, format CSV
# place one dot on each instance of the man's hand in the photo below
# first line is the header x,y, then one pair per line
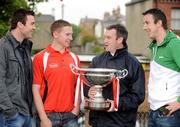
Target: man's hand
x,y
112,108
46,123
75,110
92,92
172,107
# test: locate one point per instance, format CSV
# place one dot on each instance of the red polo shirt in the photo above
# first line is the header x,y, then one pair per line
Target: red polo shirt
x,y
61,81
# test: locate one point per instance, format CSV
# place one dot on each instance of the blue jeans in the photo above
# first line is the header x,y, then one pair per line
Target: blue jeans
x,y
157,119
65,119
17,120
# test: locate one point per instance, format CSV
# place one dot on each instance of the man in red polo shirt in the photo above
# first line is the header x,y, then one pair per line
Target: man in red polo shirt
x,y
52,71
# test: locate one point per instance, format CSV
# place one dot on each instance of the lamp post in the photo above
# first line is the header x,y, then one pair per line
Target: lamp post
x,y
62,11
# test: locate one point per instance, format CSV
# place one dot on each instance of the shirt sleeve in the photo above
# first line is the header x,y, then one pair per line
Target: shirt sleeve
x,y
38,69
175,50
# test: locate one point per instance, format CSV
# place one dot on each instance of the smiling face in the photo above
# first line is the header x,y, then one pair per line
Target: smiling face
x,y
149,26
28,28
111,42
63,36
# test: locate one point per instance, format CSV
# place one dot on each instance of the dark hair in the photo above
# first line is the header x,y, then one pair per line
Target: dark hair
x,y
58,24
157,15
120,32
20,15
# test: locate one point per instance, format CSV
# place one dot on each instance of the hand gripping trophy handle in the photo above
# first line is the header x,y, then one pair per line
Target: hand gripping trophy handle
x,y
98,78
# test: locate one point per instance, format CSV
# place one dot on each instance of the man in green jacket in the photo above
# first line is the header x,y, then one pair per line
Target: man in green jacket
x,y
164,80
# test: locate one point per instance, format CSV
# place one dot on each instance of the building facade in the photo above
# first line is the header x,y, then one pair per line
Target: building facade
x,y
138,40
41,36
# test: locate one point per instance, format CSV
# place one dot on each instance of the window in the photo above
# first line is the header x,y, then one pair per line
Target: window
x,y
175,19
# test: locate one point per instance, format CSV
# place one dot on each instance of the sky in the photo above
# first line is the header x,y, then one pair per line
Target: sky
x,y
74,10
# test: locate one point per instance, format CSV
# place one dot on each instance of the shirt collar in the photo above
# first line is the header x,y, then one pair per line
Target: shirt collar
x,y
14,42
51,50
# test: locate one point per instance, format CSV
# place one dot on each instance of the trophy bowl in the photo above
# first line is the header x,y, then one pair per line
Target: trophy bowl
x,y
98,78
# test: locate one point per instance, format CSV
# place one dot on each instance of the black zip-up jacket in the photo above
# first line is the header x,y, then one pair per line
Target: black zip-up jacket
x,y
15,88
132,90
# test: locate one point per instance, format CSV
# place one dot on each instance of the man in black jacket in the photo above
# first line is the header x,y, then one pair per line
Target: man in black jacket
x,y
132,87
16,71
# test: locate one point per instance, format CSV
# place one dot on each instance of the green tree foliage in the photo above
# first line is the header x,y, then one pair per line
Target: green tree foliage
x,y
32,3
97,49
86,37
7,7
76,31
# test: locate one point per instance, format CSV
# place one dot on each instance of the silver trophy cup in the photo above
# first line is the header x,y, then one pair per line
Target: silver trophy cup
x,y
99,78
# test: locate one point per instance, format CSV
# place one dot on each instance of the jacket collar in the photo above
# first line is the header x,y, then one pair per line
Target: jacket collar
x,y
170,35
12,39
119,52
51,50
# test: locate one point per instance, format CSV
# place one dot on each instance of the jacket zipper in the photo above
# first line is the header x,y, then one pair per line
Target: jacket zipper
x,y
154,52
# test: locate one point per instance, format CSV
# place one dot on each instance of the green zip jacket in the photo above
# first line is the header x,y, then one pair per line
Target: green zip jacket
x,y
164,81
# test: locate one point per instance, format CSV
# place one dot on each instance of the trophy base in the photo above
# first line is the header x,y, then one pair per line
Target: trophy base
x,y
97,106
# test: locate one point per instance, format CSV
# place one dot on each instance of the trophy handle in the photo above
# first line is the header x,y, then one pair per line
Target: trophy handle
x,y
121,73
